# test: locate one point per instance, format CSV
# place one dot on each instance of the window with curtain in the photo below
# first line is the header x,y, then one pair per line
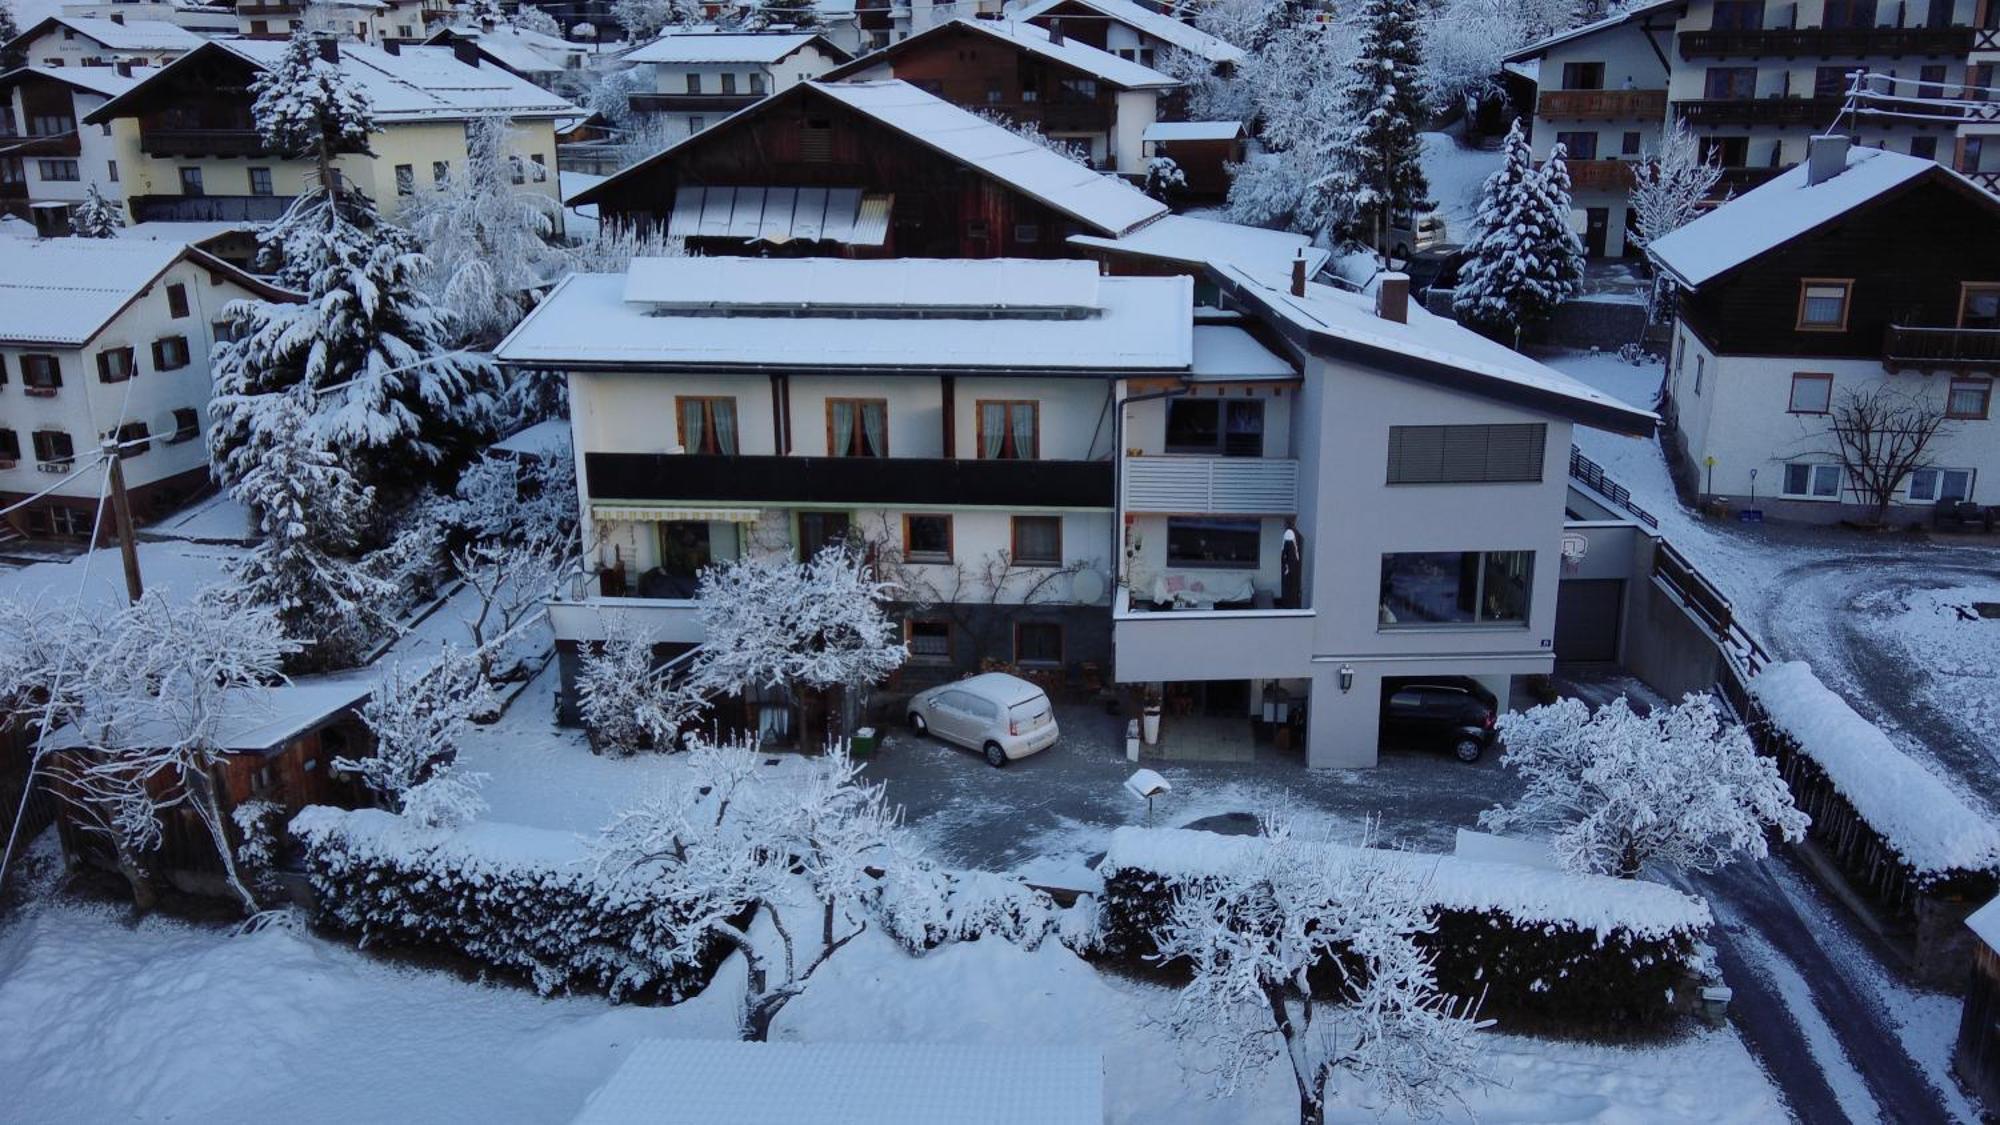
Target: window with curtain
x,y
857,427
1037,540
1823,304
1010,430
1968,398
708,425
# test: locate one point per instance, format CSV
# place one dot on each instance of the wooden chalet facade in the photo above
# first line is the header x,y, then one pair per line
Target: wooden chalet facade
x,y
920,197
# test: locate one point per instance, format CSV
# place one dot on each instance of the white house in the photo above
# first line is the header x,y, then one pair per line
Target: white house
x,y
701,77
1130,30
101,340
1077,475
48,162
1862,270
61,41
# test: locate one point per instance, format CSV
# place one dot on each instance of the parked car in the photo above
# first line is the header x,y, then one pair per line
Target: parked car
x,y
1415,233
1003,717
1443,711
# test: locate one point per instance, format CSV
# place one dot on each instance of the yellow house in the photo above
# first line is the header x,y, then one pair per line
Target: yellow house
x,y
188,147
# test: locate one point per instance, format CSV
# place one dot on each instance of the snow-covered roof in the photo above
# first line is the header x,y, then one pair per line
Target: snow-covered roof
x,y
766,48
539,440
1224,353
1191,241
1433,348
702,1081
1923,821
805,284
1778,211
1135,324
1193,131
65,290
1599,904
1102,65
1105,202
415,84
186,232
101,80
131,35
527,52
1985,923
1156,24
1540,47
260,718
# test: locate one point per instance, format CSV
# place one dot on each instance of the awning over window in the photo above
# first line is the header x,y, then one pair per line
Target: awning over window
x,y
636,514
780,214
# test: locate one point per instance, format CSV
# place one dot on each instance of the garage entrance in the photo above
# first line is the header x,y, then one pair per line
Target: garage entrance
x,y
1587,616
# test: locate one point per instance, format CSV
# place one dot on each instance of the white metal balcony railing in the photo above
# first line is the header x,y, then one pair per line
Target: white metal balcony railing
x,y
1246,486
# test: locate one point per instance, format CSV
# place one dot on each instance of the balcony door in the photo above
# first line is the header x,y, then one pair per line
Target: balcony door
x,y
1849,14
819,530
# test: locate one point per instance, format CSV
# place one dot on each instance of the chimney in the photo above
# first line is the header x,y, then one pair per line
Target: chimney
x,y
1826,157
465,51
1392,297
329,48
123,67
1055,33
1299,274
118,18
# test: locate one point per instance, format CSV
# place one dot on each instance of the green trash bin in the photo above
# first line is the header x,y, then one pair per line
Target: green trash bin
x,y
864,742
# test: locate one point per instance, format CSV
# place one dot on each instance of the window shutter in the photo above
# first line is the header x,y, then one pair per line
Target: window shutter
x,y
159,355
1514,453
1416,454
1464,457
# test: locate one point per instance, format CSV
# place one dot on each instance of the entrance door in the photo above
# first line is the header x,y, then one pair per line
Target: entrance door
x,y
1587,612
1596,230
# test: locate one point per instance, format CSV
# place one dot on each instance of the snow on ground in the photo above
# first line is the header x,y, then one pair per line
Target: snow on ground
x,y
178,570
1940,630
1829,1057
104,1021
219,518
1456,174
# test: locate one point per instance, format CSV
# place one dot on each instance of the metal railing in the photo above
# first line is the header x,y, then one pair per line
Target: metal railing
x,y
1592,475
1217,485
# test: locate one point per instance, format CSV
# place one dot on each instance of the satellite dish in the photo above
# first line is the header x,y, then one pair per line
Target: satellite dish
x,y
1087,586
162,425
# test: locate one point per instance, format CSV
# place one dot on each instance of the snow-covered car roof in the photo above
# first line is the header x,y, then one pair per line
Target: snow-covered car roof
x,y
1156,24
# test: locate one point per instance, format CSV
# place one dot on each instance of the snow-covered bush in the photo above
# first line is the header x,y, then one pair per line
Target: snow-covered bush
x,y
1031,131
629,701
1575,950
924,906
258,827
1164,179
1681,786
524,900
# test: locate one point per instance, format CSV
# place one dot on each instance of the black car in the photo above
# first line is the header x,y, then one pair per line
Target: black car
x,y
1444,711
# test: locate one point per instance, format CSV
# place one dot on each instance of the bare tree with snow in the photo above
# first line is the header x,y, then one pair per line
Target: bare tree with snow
x,y
1304,955
509,583
1881,435
614,245
628,699
1671,185
1031,131
1682,786
731,837
417,716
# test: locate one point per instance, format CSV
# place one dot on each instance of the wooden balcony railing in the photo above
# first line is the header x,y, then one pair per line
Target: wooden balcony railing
x,y
857,481
1602,105
1927,348
1813,112
201,142
1600,175
1827,42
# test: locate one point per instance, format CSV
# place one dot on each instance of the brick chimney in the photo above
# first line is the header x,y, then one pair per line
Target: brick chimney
x,y
329,48
1392,297
465,51
1299,274
1826,157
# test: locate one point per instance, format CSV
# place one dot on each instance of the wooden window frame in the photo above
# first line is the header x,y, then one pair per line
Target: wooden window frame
x,y
1985,401
177,301
1846,303
1014,542
708,419
979,427
160,357
1967,288
52,459
41,374
104,366
857,403
950,640
950,539
1792,393
1062,644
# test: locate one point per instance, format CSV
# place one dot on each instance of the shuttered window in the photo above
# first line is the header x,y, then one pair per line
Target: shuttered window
x,y
1466,454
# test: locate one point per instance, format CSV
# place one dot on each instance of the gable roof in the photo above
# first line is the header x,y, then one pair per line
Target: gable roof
x,y
62,292
131,35
1187,240
1160,26
104,81
415,84
1106,203
250,719
1785,208
766,48
521,51
1541,47
1341,325
1082,57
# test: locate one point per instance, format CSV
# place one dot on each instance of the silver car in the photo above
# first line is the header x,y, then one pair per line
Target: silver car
x,y
1003,717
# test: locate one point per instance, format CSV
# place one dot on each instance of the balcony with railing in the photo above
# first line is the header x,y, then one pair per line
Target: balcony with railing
x,y
1826,42
1602,105
201,142
1600,175
1191,644
1235,486
860,482
1931,349
692,103
1811,112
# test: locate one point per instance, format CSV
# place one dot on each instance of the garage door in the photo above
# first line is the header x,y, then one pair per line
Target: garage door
x,y
1587,612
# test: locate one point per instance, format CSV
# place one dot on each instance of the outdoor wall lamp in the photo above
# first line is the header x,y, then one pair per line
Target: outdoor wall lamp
x,y
1346,678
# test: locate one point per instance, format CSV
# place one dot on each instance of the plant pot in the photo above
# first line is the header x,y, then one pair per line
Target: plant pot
x,y
1150,724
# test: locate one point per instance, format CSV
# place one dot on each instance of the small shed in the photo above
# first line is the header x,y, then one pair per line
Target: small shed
x,y
1203,149
1977,1057
699,1082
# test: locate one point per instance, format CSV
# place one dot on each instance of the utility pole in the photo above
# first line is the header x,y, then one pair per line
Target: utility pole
x,y
121,510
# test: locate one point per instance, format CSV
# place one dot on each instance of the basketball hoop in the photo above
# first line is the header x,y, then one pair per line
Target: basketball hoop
x,y
1574,548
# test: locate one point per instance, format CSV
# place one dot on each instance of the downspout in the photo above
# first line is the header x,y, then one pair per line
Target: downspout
x,y
1118,474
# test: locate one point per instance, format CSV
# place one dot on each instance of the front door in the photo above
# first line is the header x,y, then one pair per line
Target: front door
x,y
1596,228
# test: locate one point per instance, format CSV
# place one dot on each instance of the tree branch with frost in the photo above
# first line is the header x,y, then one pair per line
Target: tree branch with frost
x,y
630,701
1681,786
417,716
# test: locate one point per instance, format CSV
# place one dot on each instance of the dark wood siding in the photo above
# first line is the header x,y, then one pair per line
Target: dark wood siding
x,y
1907,253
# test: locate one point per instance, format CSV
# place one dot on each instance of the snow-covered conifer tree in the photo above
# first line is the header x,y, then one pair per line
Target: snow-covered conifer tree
x,y
645,20
1681,786
96,216
1525,258
1259,943
482,13
308,107
530,18
417,717
489,243
1382,171
787,13
8,27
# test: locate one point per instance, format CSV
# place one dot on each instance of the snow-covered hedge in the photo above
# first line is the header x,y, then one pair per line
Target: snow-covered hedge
x,y
923,907
1570,949
520,899
1927,827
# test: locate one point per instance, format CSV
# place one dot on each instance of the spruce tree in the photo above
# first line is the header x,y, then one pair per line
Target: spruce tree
x,y
789,13
1384,101
1525,257
96,216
